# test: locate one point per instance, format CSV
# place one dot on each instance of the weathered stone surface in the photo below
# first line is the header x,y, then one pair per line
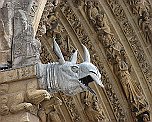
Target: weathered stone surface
x,y
116,32
20,117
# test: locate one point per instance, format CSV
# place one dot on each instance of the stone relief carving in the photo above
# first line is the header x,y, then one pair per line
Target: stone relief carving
x,y
143,9
7,12
139,6
92,10
49,20
136,98
109,42
100,24
146,26
132,38
25,47
112,96
118,110
69,101
92,108
131,88
17,17
32,9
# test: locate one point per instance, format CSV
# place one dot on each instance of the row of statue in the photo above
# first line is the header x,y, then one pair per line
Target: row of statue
x,y
24,49
116,54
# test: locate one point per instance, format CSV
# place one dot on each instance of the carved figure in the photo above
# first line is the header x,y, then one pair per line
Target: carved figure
x,y
92,10
142,6
139,6
103,28
146,26
130,87
52,24
92,108
67,76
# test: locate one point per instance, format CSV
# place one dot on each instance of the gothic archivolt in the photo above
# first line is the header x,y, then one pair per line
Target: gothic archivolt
x,y
118,36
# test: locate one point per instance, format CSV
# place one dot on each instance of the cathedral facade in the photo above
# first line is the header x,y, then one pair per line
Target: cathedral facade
x,y
75,61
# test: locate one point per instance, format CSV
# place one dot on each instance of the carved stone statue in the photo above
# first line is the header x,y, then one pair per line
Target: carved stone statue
x,y
103,29
92,10
139,6
130,87
145,22
92,108
67,76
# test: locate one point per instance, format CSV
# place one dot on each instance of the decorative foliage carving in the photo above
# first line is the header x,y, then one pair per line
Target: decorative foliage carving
x,y
118,110
131,89
72,108
49,21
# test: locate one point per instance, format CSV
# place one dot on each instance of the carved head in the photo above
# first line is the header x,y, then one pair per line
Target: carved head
x,y
77,75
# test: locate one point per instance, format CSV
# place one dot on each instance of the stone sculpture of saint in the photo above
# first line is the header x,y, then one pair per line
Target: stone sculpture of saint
x,y
130,87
